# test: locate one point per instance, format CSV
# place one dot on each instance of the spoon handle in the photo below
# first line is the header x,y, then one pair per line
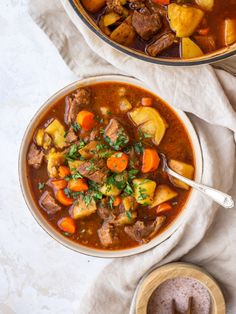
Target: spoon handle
x,y
221,198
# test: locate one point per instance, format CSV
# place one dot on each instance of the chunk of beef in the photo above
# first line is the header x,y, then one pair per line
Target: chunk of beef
x,y
94,170
81,98
146,24
206,43
116,6
35,156
156,8
162,43
71,136
93,135
115,135
142,233
136,4
49,204
103,210
106,234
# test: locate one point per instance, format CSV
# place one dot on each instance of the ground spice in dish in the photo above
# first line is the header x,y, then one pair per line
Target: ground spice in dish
x,y
180,289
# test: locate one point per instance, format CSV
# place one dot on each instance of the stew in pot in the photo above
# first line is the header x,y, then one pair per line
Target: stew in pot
x,y
167,28
94,169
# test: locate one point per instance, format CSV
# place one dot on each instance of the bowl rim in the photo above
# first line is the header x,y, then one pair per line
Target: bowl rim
x,y
29,200
206,59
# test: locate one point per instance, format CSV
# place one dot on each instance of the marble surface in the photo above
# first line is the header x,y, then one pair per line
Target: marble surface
x,y
37,275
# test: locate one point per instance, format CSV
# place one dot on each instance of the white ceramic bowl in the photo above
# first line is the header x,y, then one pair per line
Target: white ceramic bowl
x,y
183,216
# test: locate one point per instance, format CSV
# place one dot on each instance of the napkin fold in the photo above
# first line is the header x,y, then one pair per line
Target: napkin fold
x,y
201,92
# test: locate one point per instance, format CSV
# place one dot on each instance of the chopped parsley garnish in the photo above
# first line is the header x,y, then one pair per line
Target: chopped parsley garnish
x,y
129,214
41,186
128,189
87,199
111,201
81,144
132,173
75,126
73,152
120,141
138,147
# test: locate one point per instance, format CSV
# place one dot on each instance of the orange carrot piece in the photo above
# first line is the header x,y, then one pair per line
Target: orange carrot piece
x,y
163,208
117,201
161,1
86,120
64,171
203,31
147,101
63,199
78,185
150,161
59,184
118,162
67,224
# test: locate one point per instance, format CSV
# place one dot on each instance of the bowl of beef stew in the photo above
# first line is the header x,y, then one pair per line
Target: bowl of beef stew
x,y
178,33
90,170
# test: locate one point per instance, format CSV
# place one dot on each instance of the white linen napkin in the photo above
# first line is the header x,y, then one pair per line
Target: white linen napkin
x,y
199,91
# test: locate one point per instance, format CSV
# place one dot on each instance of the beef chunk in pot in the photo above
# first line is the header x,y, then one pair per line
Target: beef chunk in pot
x,y
136,4
141,233
71,136
162,43
94,170
48,203
156,8
106,234
146,24
115,135
103,210
35,156
74,103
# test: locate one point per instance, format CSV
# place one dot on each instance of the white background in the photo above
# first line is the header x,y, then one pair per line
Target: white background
x,y
37,275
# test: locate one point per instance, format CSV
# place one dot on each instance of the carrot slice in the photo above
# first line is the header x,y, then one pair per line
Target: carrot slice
x,y
147,102
117,162
161,1
117,201
67,224
63,171
164,207
204,31
59,184
78,185
63,199
151,160
86,120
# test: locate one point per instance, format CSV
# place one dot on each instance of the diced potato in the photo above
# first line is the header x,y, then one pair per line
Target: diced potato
x,y
57,131
129,203
110,18
104,29
125,218
55,159
47,141
110,190
105,111
150,122
163,193
205,4
124,34
89,150
39,137
230,31
189,49
82,210
144,191
184,19
93,5
74,165
125,105
183,169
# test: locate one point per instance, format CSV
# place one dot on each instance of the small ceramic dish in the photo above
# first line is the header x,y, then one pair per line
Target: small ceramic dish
x,y
181,218
159,276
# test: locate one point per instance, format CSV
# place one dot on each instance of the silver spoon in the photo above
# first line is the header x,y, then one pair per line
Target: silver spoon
x,y
219,197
